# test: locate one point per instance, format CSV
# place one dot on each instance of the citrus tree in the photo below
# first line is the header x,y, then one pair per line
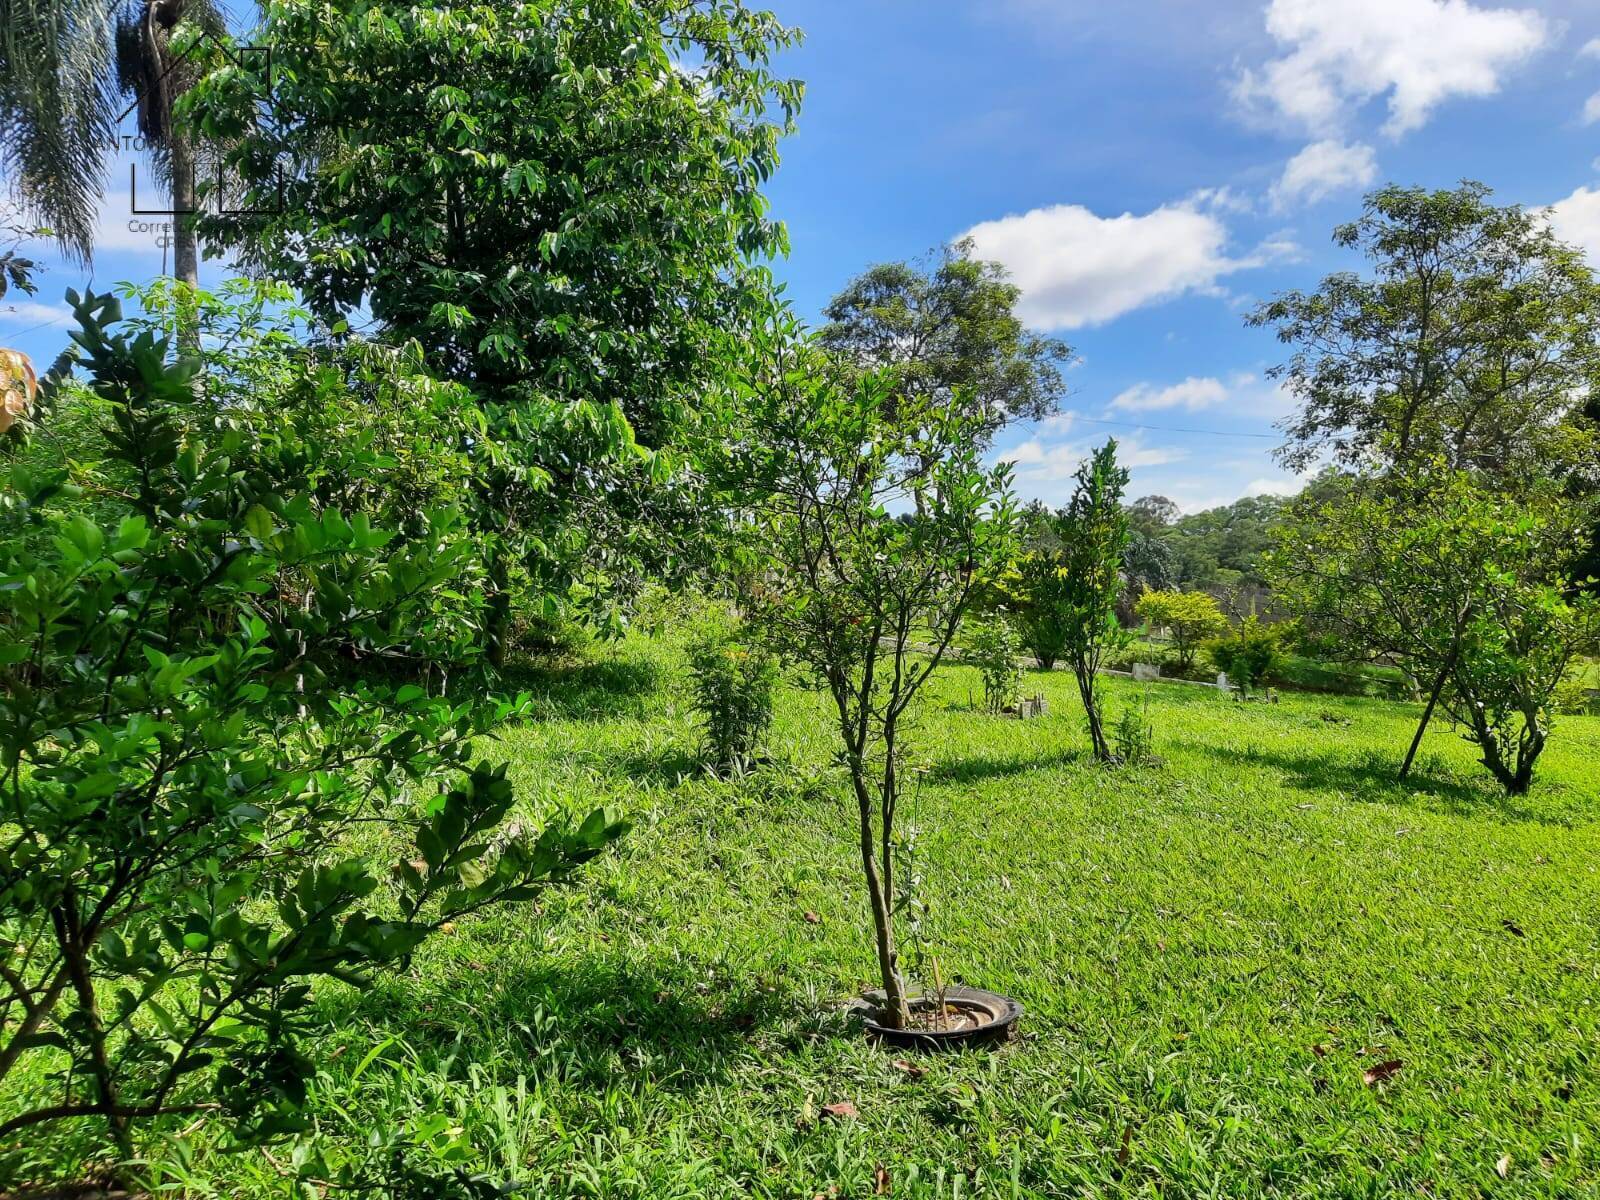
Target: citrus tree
x,y
1468,589
184,758
1188,617
853,577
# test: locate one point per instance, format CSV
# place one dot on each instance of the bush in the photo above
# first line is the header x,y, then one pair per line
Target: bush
x,y
1037,589
1188,617
1133,736
1249,654
179,779
733,682
995,649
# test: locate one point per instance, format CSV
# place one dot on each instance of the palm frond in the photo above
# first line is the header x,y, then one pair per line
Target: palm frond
x,y
58,110
68,69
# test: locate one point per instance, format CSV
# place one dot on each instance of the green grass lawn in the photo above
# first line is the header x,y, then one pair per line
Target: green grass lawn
x,y
1211,954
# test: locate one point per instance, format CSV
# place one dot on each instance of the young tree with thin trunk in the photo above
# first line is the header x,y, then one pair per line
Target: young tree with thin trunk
x,y
851,578
1094,535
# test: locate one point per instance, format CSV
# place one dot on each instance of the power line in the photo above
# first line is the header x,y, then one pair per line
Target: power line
x,y
40,325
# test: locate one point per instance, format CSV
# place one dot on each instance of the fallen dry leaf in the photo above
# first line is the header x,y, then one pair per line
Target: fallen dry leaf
x,y
909,1068
1382,1072
813,919
1503,1167
1320,1050
880,1179
841,1110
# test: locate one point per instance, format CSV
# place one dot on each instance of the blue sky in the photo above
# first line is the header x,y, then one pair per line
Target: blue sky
x,y
1147,169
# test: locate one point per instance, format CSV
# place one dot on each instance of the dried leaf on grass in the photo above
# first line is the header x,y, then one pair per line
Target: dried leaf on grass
x,y
1382,1072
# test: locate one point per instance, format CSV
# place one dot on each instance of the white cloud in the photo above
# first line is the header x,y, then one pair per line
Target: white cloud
x,y
1591,48
1045,470
1321,169
1242,394
119,228
1418,53
1192,394
31,312
1591,110
1577,220
1077,269
1274,487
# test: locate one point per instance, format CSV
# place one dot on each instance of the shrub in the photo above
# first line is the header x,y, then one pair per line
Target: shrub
x,y
1249,654
1188,617
178,783
994,648
732,682
1133,736
1037,590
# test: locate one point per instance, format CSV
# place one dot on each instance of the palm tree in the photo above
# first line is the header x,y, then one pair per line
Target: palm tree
x,y
68,70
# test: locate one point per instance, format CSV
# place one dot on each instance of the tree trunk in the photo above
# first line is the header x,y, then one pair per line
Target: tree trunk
x,y
75,957
497,619
1517,781
896,1014
185,242
1438,689
1427,715
1091,710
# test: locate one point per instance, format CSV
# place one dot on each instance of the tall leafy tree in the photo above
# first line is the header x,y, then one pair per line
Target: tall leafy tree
x,y
1450,383
1474,338
560,204
1150,515
68,69
950,330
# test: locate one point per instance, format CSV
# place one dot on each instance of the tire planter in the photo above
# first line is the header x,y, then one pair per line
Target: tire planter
x,y
996,1015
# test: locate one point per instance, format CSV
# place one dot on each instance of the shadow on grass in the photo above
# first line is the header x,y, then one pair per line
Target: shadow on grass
x,y
599,1022
1372,777
976,768
658,765
587,691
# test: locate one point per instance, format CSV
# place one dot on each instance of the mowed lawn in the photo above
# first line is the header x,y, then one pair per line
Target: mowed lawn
x,y
1212,955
